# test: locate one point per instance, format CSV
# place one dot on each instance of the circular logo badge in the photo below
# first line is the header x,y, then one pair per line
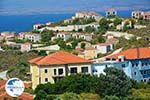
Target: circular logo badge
x,y
14,87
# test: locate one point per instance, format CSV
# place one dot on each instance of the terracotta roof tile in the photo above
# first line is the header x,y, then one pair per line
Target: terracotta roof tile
x,y
135,53
57,58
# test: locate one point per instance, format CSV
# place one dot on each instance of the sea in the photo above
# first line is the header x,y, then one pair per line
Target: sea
x,y
21,23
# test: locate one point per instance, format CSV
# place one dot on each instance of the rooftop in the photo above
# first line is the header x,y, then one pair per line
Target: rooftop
x,y
58,58
135,53
147,13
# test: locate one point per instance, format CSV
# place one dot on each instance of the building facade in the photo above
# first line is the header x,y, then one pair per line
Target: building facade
x,y
57,65
134,62
111,12
137,14
64,35
146,15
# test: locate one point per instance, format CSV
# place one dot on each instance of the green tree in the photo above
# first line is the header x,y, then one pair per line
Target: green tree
x,y
89,29
41,95
104,24
110,98
83,45
114,82
117,21
77,83
70,96
46,35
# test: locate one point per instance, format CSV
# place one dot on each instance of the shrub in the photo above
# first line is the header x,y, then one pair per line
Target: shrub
x,y
70,96
89,96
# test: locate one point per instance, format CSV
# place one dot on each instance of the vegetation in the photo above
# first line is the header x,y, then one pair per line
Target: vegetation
x,y
14,58
141,32
19,71
46,35
90,29
117,21
98,39
132,43
10,47
105,85
80,21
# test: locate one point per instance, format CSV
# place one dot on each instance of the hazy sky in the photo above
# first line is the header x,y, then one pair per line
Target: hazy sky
x,y
53,6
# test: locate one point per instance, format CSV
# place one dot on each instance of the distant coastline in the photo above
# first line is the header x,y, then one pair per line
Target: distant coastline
x,y
19,23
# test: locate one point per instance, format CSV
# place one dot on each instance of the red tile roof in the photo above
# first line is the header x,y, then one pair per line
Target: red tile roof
x,y
135,53
147,13
58,58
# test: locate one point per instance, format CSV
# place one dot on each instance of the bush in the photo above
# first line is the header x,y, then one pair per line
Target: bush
x,y
52,97
111,98
89,96
70,96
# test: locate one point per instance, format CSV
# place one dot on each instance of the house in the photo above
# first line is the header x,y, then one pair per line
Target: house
x,y
85,36
90,53
102,47
68,20
48,49
113,42
69,28
55,66
126,22
134,62
33,37
64,35
87,44
137,14
94,15
38,26
26,47
8,35
87,53
111,12
146,15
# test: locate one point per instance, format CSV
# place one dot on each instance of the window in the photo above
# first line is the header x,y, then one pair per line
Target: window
x,y
60,71
106,66
123,65
84,69
136,64
132,65
45,71
146,64
134,73
54,71
73,70
46,79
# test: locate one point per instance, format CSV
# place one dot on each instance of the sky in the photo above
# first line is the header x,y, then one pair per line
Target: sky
x,y
62,6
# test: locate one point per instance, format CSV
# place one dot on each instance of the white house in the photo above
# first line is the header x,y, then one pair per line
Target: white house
x,y
64,35
85,36
111,12
102,47
30,36
137,14
26,47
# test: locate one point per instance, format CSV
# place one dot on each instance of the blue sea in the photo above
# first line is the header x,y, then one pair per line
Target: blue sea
x,y
19,23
